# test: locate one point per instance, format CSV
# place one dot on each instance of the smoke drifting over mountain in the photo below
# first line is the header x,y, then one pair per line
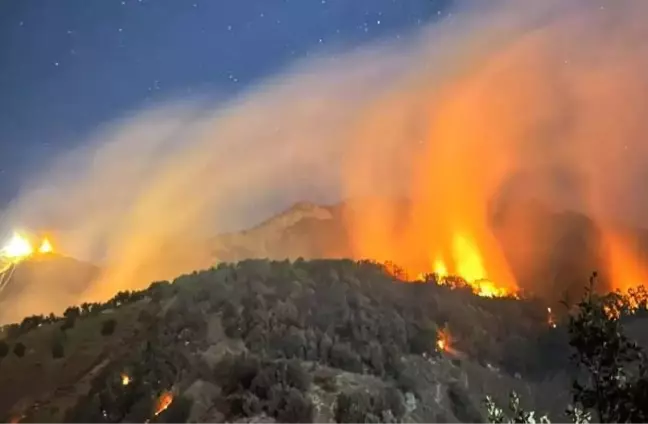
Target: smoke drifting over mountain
x,y
498,102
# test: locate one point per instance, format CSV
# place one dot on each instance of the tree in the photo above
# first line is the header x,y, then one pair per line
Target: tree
x,y
4,349
72,312
616,370
68,322
19,349
58,351
607,356
108,327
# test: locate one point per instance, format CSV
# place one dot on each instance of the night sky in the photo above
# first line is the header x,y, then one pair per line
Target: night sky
x,y
67,66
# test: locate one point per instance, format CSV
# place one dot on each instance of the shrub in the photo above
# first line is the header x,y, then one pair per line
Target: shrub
x,y
19,349
4,349
58,350
68,322
108,327
297,409
353,407
343,357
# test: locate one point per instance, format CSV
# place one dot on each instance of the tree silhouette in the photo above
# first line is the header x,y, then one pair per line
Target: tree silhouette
x,y
612,382
4,349
612,363
19,349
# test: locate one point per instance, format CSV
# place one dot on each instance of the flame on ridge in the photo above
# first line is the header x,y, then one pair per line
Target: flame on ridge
x,y
165,399
20,247
444,340
125,379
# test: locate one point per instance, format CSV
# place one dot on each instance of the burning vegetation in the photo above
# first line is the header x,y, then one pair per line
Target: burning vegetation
x,y
21,247
164,401
443,340
125,379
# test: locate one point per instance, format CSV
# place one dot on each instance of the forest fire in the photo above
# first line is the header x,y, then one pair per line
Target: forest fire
x,y
550,318
443,340
125,379
45,247
17,248
20,247
164,401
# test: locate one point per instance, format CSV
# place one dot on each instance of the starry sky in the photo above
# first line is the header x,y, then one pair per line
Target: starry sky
x,y
68,66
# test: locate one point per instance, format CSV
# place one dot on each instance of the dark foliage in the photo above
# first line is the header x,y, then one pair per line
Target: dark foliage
x,y
19,349
108,327
615,367
4,349
612,380
58,350
153,368
352,316
461,405
252,385
360,406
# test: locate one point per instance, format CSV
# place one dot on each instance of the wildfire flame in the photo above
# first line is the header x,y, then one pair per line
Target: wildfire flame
x,y
19,248
550,318
125,379
45,247
163,402
443,340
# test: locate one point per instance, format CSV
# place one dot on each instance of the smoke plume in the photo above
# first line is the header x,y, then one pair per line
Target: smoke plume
x,y
509,100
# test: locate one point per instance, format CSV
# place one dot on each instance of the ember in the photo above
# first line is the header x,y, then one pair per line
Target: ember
x,y
125,379
163,402
443,340
550,318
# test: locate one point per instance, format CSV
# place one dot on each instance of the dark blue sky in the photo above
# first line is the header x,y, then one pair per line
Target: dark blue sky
x,y
67,66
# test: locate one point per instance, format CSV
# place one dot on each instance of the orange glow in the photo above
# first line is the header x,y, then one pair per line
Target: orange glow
x,y
440,269
445,229
45,246
125,379
443,340
625,268
163,402
17,248
20,247
550,318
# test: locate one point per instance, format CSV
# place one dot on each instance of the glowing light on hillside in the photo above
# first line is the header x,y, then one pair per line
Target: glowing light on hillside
x,y
440,268
20,247
163,402
45,247
17,248
468,264
125,379
550,318
443,340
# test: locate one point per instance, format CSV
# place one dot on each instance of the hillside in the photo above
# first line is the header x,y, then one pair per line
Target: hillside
x,y
337,329
58,280
294,340
565,246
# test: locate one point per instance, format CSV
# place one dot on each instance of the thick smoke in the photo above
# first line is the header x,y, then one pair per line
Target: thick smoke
x,y
540,99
